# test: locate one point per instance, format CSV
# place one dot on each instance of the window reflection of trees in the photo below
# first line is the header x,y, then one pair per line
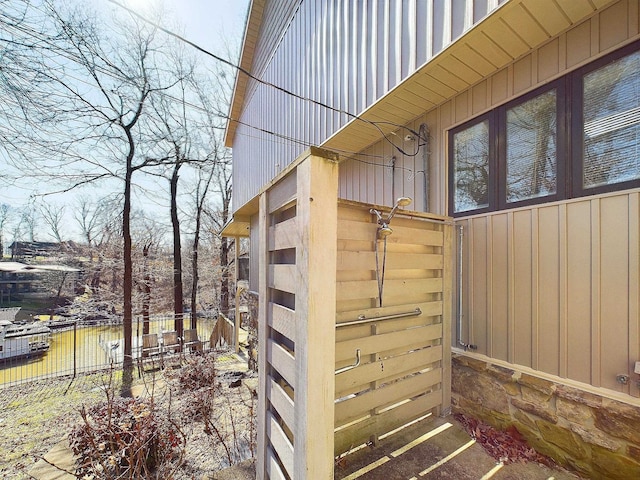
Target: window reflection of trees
x,y
471,154
531,148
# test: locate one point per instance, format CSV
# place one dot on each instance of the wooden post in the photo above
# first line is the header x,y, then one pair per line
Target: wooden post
x,y
236,327
317,212
263,232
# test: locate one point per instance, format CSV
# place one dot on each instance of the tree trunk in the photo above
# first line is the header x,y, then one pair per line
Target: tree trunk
x,y
194,273
146,290
224,283
127,366
177,253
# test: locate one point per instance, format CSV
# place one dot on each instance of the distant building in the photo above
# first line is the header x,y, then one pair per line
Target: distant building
x,y
16,278
40,249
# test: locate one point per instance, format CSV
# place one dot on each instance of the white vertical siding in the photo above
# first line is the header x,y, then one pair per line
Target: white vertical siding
x,y
344,53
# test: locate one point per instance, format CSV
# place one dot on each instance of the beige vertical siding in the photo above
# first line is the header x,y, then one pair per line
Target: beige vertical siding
x,y
555,287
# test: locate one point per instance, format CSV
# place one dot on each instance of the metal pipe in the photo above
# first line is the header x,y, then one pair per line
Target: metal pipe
x,y
350,367
362,319
424,132
460,272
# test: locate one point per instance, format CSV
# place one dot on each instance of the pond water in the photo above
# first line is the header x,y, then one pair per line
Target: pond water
x,y
85,349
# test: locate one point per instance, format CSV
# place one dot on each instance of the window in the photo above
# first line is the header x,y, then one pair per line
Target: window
x,y
471,174
531,153
519,153
610,120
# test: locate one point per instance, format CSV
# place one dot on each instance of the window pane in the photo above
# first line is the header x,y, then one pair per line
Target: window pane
x,y
531,148
471,167
612,123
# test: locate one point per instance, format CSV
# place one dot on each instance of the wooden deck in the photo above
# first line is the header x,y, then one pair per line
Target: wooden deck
x,y
435,448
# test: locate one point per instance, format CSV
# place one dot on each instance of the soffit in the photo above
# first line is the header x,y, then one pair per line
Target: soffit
x,y
511,31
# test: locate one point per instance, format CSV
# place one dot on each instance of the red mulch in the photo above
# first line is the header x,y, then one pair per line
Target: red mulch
x,y
507,446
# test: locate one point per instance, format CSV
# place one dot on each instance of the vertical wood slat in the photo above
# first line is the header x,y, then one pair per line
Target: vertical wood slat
x,y
262,459
447,316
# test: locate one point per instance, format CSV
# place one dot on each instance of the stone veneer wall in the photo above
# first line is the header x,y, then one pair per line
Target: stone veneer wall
x,y
595,436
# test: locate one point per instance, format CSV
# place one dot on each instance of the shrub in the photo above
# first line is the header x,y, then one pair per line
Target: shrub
x,y
197,372
126,438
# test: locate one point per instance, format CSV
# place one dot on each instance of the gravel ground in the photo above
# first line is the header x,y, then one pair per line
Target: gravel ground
x,y
37,415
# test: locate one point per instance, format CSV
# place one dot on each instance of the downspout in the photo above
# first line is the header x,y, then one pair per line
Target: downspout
x,y
461,343
424,137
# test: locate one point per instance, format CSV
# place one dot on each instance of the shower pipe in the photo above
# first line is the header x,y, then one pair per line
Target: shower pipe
x,y
362,319
350,367
466,346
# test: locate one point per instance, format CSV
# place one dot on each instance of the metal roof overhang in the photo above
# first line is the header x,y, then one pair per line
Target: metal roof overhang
x,y
511,31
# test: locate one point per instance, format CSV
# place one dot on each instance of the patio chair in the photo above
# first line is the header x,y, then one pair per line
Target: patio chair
x,y
191,341
150,349
170,342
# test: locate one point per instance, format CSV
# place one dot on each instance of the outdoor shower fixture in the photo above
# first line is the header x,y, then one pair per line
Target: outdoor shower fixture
x,y
384,230
382,233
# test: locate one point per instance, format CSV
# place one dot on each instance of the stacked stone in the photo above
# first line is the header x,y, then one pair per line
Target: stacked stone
x,y
596,436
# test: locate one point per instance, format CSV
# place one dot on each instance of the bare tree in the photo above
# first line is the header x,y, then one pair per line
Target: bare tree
x,y
219,215
94,90
53,216
5,217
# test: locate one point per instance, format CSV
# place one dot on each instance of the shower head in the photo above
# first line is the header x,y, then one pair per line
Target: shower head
x,y
403,201
400,202
384,231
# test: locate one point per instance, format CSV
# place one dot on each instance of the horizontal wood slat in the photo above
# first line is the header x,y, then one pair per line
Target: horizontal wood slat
x,y
282,193
353,230
283,277
359,433
282,319
282,361
409,339
428,309
280,443
367,261
281,402
383,370
284,235
273,468
369,289
360,405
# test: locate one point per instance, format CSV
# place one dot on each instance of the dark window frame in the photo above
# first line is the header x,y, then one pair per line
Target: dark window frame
x,y
569,143
491,187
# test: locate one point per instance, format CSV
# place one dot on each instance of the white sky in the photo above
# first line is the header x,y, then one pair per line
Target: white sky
x,y
208,23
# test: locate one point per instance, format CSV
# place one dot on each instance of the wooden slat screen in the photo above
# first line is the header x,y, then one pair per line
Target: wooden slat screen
x,y
403,360
297,297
